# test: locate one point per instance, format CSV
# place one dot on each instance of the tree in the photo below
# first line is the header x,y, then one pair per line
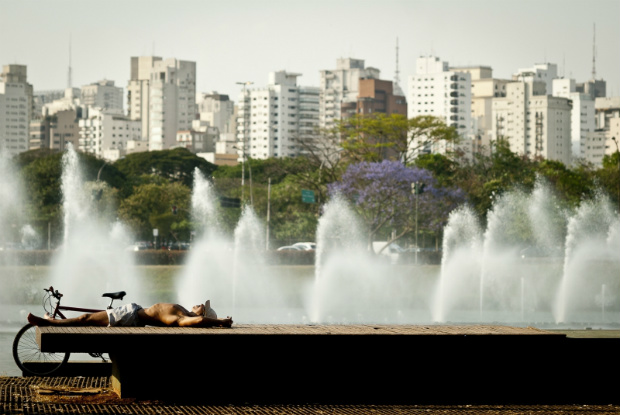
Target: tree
x,y
609,176
393,137
151,207
382,193
176,165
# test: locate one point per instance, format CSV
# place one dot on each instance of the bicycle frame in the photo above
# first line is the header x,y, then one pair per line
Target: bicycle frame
x,y
57,309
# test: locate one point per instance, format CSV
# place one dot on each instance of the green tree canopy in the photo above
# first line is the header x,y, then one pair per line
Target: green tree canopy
x,y
176,165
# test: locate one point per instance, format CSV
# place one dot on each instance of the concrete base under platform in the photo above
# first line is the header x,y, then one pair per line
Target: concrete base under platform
x,y
351,364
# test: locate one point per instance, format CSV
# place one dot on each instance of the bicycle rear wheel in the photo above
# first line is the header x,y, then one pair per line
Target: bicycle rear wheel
x,y
30,359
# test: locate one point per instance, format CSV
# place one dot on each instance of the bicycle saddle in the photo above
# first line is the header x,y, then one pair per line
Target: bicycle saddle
x,y
115,296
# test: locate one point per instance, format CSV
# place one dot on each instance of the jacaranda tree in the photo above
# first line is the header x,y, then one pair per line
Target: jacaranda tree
x,y
383,195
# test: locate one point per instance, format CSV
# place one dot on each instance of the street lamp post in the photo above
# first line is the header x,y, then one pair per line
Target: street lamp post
x,y
617,151
245,129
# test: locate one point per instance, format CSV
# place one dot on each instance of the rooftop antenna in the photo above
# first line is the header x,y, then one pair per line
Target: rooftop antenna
x,y
397,88
564,65
69,75
594,53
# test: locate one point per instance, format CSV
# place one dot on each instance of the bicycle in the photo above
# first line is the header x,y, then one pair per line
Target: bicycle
x,y
26,353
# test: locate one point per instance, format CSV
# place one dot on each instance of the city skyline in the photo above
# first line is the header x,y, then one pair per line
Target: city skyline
x,y
242,41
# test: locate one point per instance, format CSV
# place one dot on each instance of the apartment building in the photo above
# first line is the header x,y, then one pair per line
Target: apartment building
x,y
40,98
604,140
218,111
533,123
201,138
540,72
172,98
582,114
439,91
106,133
595,88
15,109
340,86
273,121
69,101
483,89
102,94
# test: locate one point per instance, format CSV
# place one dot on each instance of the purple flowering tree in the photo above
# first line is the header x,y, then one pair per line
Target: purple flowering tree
x,y
382,194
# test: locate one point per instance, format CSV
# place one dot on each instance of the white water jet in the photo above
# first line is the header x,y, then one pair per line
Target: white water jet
x,y
207,274
459,280
93,258
591,258
352,284
11,203
515,264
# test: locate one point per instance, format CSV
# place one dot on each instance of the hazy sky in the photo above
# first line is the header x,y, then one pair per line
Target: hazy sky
x,y
234,40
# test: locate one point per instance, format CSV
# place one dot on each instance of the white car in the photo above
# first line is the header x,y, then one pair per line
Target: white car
x,y
306,246
289,248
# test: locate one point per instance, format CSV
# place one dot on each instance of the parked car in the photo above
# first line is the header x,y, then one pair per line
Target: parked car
x,y
178,246
393,250
306,246
139,246
289,248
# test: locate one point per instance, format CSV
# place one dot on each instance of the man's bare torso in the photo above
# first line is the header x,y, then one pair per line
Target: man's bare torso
x,y
164,314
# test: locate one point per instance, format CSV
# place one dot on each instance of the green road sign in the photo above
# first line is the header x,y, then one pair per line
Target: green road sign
x,y
307,196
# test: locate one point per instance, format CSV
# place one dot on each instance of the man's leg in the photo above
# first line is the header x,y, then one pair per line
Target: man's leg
x,y
100,318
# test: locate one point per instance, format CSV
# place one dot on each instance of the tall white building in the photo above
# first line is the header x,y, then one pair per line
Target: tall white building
x,y
272,121
483,89
442,92
582,114
340,86
541,72
172,101
106,133
600,142
15,109
218,111
138,91
533,123
103,94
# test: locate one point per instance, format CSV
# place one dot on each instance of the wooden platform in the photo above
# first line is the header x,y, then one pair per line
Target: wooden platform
x,y
347,364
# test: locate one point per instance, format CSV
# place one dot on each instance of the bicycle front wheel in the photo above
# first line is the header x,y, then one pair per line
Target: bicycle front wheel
x,y
30,359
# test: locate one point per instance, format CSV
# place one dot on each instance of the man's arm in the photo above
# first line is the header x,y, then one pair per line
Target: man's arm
x,y
199,321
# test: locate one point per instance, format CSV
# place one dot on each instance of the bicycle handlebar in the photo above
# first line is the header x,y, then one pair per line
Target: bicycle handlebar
x,y
55,294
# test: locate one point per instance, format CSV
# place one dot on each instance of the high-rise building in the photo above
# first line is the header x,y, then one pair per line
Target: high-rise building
x,y
541,72
275,120
439,91
376,96
218,111
582,113
41,98
339,86
15,109
138,91
534,124
594,88
55,131
106,133
103,94
69,101
604,140
483,89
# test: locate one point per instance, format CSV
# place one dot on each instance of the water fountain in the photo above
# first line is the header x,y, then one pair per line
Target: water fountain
x,y
92,259
535,263
232,272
